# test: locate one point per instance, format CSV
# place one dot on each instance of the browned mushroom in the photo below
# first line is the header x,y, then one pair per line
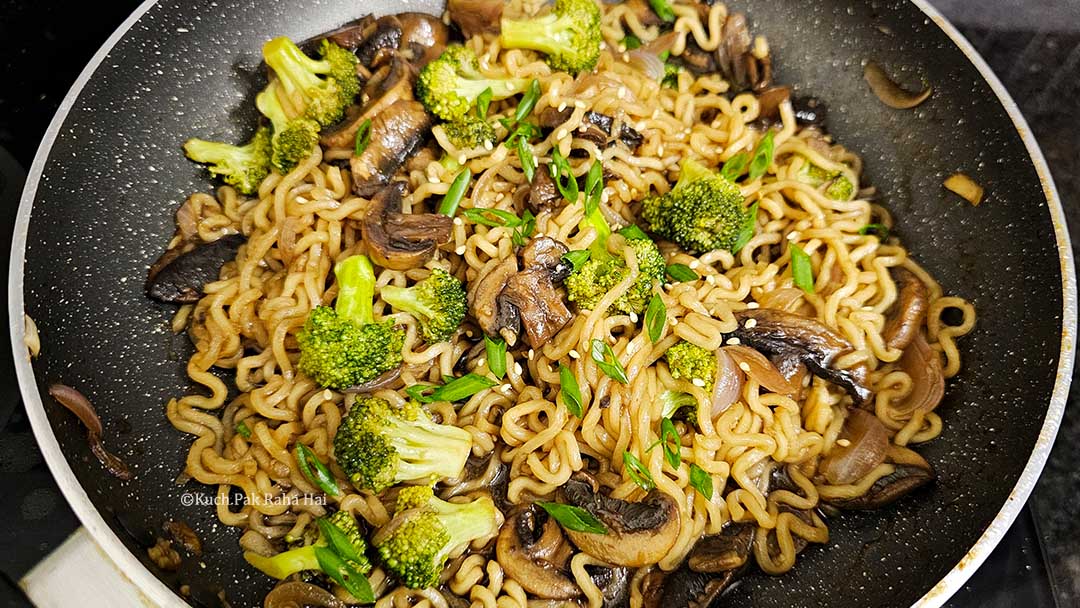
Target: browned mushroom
x,y
735,57
638,533
483,299
476,16
179,275
423,37
909,311
543,194
865,445
541,306
401,241
542,252
923,365
292,594
348,36
597,127
382,33
533,551
911,471
791,336
644,13
389,84
395,133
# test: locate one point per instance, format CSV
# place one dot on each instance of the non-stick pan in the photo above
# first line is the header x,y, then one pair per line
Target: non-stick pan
x,y
97,210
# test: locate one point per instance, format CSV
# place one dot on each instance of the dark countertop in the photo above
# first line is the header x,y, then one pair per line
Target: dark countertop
x,y
1033,46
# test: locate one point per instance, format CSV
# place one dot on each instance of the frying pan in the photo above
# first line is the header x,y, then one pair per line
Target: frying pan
x,y
97,210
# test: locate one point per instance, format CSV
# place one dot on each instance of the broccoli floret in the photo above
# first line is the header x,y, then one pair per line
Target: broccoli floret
x,y
379,445
679,404
469,132
449,85
303,558
344,346
701,213
416,543
590,283
242,167
293,138
569,35
839,187
320,89
690,361
438,302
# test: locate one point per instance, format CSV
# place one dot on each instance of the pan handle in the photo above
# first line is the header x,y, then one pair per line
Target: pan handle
x,y
79,573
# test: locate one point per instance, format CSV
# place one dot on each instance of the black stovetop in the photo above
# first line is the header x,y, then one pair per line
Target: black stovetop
x,y
1034,48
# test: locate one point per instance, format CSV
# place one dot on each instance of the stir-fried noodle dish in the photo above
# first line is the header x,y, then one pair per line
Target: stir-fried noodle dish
x,y
545,305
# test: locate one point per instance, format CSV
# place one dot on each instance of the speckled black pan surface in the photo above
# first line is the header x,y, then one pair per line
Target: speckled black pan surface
x,y
104,208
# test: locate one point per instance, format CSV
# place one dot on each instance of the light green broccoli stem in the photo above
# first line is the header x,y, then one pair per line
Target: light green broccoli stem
x,y
465,522
356,289
427,449
310,80
242,167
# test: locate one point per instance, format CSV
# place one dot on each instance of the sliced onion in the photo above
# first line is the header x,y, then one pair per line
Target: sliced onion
x,y
965,187
661,43
781,299
294,594
187,221
890,93
647,63
77,404
728,383
923,364
867,445
760,369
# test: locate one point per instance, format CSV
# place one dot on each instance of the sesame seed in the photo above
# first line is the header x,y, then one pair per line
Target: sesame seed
x,y
488,145
753,305
603,45
562,106
660,149
538,235
710,279
623,92
698,382
433,179
460,250
843,443
640,126
744,366
750,323
554,90
506,386
574,354
580,104
500,197
561,133
517,369
604,197
733,341
509,85
792,236
458,221
633,317
327,395
583,127
461,159
301,200
694,264
674,322
468,333
481,362
532,354
626,56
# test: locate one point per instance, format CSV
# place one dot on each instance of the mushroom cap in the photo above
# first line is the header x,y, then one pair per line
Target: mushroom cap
x,y
533,551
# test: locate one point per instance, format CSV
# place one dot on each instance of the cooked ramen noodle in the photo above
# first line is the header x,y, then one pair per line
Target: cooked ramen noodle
x,y
682,343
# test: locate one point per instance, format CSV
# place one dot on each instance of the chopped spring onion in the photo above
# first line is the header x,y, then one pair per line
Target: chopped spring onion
x,y
637,471
528,101
880,230
483,102
681,273
243,430
669,438
701,481
496,355
607,361
734,166
315,471
453,196
574,518
746,231
363,137
576,258
763,157
655,318
570,391
594,187
457,389
802,273
563,176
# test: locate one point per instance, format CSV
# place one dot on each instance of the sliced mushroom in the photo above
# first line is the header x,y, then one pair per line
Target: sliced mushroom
x,y
729,550
395,133
543,194
909,311
178,278
541,306
865,445
388,85
423,37
533,551
483,298
683,587
614,584
736,59
597,127
923,365
911,472
382,33
542,252
476,16
785,334
638,533
401,241
348,36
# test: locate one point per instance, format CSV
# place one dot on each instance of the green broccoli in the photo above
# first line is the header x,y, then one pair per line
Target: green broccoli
x,y
438,302
379,445
305,558
701,213
294,138
679,404
469,132
569,35
449,85
242,167
416,543
588,284
344,346
690,361
839,187
322,89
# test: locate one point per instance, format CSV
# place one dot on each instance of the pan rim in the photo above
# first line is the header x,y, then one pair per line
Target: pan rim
x,y
162,595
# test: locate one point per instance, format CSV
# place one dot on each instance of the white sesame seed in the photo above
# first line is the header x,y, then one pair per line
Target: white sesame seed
x,y
532,354
750,323
499,197
603,45
301,200
744,366
327,395
640,126
574,354
488,145
710,279
660,149
580,104
753,305
560,134
461,159
623,92
562,106
481,362
626,56
604,197
843,443
792,236
517,369
674,322
694,264
698,382
733,341
433,179
538,235
458,221
468,333
509,86
633,317
506,386
554,90
460,250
